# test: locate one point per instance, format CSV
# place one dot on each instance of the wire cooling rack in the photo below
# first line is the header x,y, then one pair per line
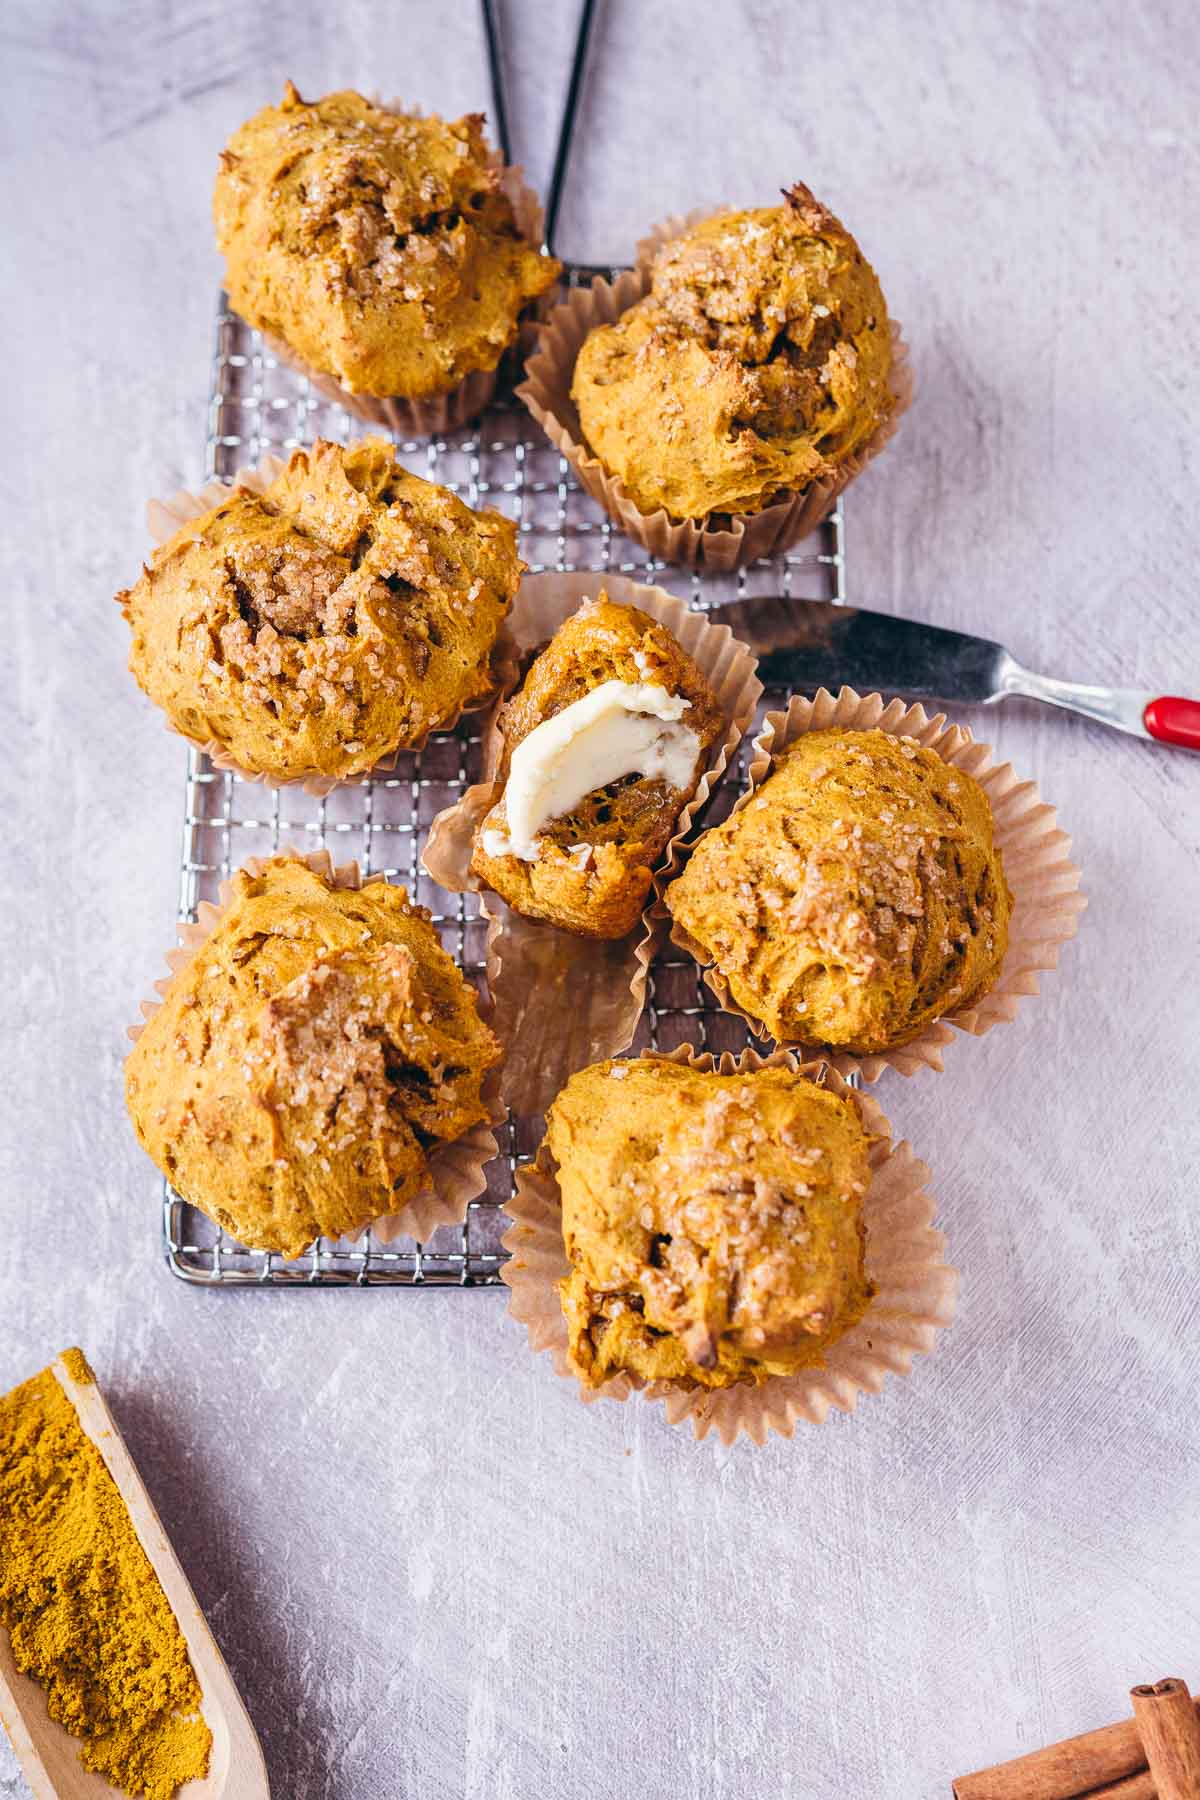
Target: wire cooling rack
x,y
258,406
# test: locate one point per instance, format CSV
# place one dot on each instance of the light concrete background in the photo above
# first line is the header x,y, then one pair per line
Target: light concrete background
x,y
432,1573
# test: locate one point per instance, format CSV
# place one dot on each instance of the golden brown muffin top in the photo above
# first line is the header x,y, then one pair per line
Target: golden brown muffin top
x,y
757,363
306,1061
856,898
714,1222
596,863
380,246
349,609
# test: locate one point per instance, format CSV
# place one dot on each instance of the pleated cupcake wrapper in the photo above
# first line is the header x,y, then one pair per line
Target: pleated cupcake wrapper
x,y
1047,900
904,1255
695,543
441,412
457,1169
562,1001
164,517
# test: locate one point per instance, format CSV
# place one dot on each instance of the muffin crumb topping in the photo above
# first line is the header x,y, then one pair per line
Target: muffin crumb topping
x,y
713,1223
858,897
756,364
382,247
309,1059
346,611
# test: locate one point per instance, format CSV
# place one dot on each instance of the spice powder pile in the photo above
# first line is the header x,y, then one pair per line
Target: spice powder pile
x,y
84,1609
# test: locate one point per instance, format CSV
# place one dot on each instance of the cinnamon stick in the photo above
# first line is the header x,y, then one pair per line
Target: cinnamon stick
x,y
1170,1729
1134,1787
1113,1763
1065,1771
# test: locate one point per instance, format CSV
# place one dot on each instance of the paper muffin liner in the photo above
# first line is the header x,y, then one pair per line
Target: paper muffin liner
x,y
904,1255
1044,881
462,403
456,1169
695,543
560,1001
164,517
403,418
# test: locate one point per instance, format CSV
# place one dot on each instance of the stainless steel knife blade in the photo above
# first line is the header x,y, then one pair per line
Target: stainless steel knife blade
x,y
807,644
817,643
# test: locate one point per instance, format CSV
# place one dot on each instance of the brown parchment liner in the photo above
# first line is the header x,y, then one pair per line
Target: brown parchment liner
x,y
1047,900
562,1001
456,1169
696,543
915,1299
462,403
164,517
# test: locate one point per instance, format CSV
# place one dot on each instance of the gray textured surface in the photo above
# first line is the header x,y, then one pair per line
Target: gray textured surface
x,y
431,1571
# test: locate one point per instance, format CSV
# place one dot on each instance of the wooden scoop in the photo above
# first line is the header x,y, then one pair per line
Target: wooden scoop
x,y
48,1755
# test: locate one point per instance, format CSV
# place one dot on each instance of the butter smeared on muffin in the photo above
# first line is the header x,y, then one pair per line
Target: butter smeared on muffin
x,y
603,746
380,247
857,897
312,629
713,1222
757,364
306,1062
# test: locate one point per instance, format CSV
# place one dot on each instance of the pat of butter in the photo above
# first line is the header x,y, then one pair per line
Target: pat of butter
x,y
619,728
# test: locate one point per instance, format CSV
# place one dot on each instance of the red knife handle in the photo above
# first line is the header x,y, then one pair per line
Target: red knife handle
x,y
1174,720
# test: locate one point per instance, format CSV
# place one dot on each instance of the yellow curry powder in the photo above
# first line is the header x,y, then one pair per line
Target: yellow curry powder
x,y
84,1608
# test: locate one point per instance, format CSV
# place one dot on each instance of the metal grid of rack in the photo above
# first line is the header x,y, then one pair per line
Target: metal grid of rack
x,y
258,406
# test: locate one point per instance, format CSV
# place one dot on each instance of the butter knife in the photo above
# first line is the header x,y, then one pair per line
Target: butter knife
x,y
806,644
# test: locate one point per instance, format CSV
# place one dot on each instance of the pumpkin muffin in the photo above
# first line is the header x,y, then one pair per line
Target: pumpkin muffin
x,y
345,612
379,247
614,700
857,897
308,1059
713,1222
758,363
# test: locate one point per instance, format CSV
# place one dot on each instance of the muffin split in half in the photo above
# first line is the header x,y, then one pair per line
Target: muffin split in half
x,y
603,746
